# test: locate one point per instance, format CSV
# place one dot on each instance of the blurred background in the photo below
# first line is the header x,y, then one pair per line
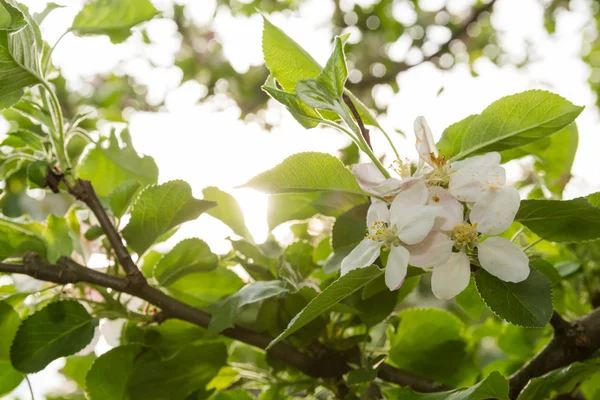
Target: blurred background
x,y
188,84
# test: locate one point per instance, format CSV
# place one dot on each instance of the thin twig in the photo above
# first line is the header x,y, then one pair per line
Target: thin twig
x,y
363,130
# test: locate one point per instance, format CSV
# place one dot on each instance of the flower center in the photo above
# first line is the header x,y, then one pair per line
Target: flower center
x,y
381,232
465,235
439,176
401,168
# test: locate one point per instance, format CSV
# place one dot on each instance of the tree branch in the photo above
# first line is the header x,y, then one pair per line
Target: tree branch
x,y
572,341
319,361
458,33
84,191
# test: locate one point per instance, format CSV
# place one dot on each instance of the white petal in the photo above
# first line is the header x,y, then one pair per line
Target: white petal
x,y
368,175
491,159
415,223
503,259
452,210
452,277
431,251
111,329
413,193
388,187
378,211
397,265
495,210
468,183
425,144
362,256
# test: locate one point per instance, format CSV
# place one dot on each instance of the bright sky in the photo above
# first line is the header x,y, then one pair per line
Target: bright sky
x,y
208,147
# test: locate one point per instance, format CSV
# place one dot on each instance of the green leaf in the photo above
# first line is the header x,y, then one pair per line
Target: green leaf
x,y
307,116
287,61
9,324
203,289
553,155
300,206
108,377
470,301
300,257
451,141
120,199
23,138
58,330
40,17
494,386
187,257
510,122
305,172
153,378
20,53
527,303
227,211
16,240
113,18
11,19
224,312
559,381
234,394
333,294
349,228
9,378
350,154
335,73
361,375
56,236
315,93
561,221
160,208
108,167
77,367
429,342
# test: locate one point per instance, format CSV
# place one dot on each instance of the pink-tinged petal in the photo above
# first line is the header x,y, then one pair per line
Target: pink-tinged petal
x,y
362,256
495,211
378,212
491,159
414,224
368,175
468,183
431,251
452,277
396,268
503,259
425,144
452,210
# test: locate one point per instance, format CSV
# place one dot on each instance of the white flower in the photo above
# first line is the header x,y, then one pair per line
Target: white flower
x,y
480,179
497,255
407,222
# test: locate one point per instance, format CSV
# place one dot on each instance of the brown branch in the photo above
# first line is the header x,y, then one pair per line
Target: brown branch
x,y
319,361
572,341
458,33
84,191
363,129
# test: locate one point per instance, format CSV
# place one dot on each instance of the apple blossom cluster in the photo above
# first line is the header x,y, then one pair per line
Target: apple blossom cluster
x,y
444,217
